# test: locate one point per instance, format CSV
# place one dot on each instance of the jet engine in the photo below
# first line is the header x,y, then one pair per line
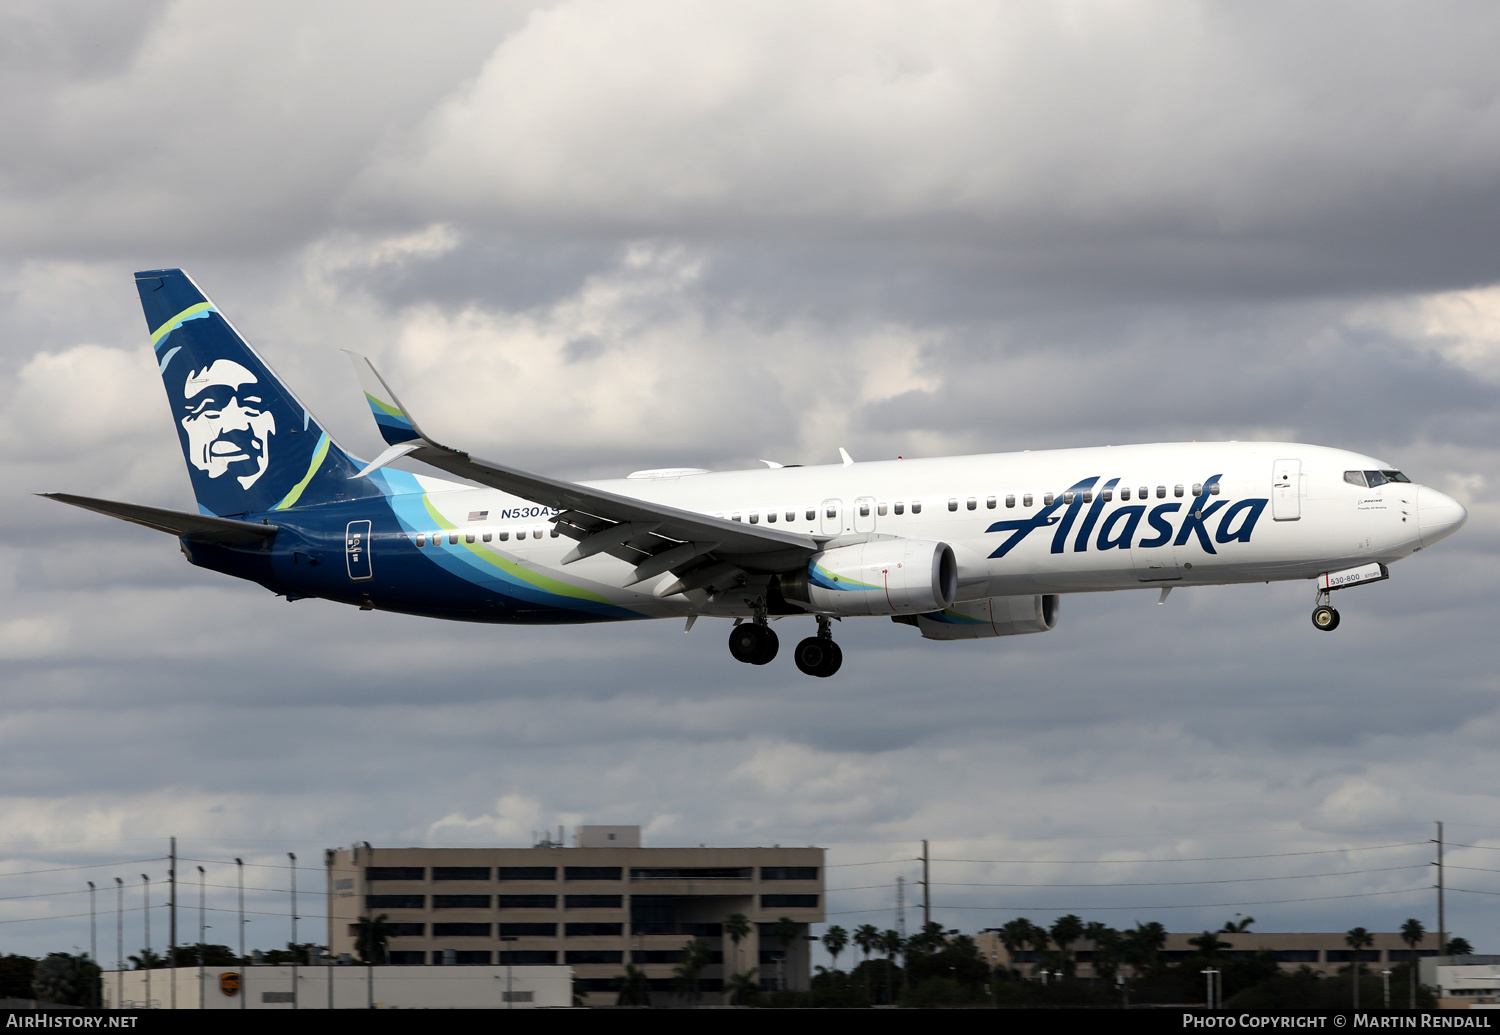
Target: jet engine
x,y
991,616
882,577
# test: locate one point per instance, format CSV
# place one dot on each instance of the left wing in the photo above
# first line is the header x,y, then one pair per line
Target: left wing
x,y
705,552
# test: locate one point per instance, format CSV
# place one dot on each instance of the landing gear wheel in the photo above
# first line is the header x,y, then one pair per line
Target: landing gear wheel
x,y
818,656
1325,618
753,644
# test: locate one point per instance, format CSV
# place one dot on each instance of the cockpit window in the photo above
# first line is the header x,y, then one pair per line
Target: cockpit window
x,y
1374,478
1355,478
1396,476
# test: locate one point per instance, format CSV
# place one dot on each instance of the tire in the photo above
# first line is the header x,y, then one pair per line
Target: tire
x,y
769,645
1325,618
812,656
744,643
835,660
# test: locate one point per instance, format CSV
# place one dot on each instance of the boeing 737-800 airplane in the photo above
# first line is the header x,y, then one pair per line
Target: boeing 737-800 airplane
x,y
958,547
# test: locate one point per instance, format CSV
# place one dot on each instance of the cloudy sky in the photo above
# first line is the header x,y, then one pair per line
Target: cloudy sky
x,y
591,237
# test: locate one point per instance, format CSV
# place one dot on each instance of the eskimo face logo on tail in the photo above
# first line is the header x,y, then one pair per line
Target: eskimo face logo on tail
x,y
228,428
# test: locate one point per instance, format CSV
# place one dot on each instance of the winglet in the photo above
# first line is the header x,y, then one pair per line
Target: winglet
x,y
396,426
848,460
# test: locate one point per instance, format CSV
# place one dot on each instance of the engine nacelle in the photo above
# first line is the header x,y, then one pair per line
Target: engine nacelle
x,y
991,616
883,577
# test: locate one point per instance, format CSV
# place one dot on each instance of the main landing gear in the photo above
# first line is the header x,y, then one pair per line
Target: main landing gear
x,y
1325,618
819,655
754,643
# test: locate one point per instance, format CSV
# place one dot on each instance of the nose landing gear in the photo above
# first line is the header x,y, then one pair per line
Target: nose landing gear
x,y
819,655
1325,618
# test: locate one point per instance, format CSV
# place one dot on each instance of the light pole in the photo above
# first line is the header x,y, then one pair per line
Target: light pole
x,y
292,863
509,997
1385,979
119,944
1210,975
239,865
328,909
202,933
94,941
146,953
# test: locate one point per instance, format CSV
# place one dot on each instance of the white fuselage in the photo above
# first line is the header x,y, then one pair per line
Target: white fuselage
x,y
1308,519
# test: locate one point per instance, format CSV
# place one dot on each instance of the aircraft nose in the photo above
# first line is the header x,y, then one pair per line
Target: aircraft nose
x,y
1438,515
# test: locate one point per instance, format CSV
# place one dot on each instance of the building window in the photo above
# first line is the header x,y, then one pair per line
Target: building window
x,y
397,930
526,901
694,873
460,902
593,930
577,956
788,873
528,958
472,957
789,902
460,873
526,873
593,902
591,872
395,901
461,931
528,930
395,872
398,957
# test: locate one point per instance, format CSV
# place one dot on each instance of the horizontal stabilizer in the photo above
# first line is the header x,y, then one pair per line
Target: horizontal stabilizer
x,y
197,527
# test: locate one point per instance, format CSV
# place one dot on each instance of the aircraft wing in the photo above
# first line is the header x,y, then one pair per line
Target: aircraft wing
x,y
705,551
197,527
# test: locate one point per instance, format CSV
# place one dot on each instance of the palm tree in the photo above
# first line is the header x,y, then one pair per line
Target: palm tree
x,y
372,937
1067,930
1412,933
867,937
1013,935
1038,938
695,957
834,940
738,928
743,988
891,943
1237,926
1358,938
1458,947
634,988
1107,947
1209,944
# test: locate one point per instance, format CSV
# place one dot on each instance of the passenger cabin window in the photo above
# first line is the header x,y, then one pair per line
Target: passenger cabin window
x,y
755,517
973,503
989,503
952,505
1088,495
1177,490
488,536
452,538
1143,492
421,538
864,510
812,514
1068,499
771,516
1124,492
1108,494
1010,502
469,537
1026,500
504,536
916,506
899,507
520,534
1213,489
735,516
833,512
880,509
791,515
1047,499
1161,492
1197,488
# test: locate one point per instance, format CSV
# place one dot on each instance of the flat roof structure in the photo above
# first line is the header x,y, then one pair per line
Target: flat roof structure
x,y
594,909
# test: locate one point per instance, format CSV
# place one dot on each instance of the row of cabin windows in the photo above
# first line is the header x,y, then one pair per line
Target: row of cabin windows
x,y
539,532
990,502
898,507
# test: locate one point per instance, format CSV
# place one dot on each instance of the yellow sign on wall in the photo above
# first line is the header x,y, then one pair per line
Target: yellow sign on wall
x,y
229,983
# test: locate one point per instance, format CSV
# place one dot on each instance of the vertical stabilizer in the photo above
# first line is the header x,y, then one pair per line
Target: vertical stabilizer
x,y
250,444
